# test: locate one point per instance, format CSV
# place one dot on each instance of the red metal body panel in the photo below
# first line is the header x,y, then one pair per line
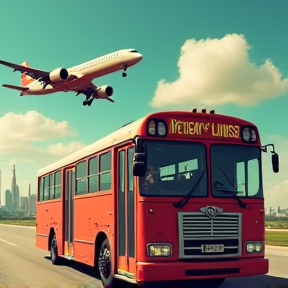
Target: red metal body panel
x,y
49,214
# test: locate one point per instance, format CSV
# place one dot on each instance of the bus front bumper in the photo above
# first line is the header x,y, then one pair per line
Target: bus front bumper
x,y
147,271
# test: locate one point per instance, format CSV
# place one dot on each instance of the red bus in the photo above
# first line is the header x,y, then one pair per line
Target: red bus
x,y
174,196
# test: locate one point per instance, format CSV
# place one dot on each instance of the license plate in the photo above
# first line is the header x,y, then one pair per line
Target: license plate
x,y
213,248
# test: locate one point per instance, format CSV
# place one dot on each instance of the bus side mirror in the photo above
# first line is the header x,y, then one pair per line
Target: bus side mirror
x,y
139,164
275,162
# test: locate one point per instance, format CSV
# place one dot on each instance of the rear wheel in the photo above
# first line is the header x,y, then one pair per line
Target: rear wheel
x,y
55,259
105,265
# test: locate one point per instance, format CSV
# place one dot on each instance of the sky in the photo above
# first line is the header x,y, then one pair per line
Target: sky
x,y
227,55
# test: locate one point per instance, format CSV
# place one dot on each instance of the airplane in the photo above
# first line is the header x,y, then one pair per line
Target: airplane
x,y
77,78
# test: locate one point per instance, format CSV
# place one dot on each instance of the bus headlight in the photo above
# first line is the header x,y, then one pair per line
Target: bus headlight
x,y
254,247
159,249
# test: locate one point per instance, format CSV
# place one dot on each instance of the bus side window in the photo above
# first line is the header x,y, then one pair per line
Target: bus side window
x,y
46,188
81,178
105,171
51,187
93,175
58,185
41,190
131,152
131,200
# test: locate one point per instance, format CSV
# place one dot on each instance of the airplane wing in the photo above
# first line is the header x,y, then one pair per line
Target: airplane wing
x,y
32,72
86,89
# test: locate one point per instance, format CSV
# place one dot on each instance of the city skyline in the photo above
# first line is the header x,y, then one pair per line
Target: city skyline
x,y
14,203
22,192
224,56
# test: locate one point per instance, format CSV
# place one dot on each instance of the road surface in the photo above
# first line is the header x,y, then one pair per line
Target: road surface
x,y
22,265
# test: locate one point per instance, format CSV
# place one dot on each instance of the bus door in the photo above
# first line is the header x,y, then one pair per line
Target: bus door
x,y
69,211
126,216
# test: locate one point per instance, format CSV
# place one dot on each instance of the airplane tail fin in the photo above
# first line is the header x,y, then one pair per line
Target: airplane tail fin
x,y
26,79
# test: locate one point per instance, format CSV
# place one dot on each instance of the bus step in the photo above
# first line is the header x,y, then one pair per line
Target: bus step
x,y
125,278
68,257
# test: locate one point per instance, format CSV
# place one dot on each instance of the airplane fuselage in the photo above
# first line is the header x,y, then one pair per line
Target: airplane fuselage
x,y
87,72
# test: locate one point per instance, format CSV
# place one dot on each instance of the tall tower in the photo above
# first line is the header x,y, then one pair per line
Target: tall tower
x,y
15,202
29,190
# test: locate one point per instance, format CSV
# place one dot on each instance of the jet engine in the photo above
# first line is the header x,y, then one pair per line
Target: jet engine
x,y
104,91
59,75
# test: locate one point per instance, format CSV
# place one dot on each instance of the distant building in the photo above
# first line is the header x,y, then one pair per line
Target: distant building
x,y
15,190
17,197
8,200
24,204
32,205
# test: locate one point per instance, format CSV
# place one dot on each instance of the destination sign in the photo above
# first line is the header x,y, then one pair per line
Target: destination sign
x,y
205,129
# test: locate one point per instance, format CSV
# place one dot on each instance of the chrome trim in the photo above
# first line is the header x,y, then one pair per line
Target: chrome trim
x,y
83,241
41,235
197,226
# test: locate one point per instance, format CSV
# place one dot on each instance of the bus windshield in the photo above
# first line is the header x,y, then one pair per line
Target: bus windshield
x,y
236,169
173,168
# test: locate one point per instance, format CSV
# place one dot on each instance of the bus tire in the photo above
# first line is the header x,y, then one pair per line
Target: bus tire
x,y
55,259
105,264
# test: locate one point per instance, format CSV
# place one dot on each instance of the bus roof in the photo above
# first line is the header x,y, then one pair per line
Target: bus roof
x,y
126,132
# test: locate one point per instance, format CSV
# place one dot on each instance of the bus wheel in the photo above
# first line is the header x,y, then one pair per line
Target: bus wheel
x,y
105,265
54,251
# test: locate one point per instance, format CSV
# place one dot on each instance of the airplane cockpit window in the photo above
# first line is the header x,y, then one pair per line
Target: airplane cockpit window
x,y
133,51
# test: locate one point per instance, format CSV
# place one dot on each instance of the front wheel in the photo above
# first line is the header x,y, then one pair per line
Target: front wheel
x,y
105,265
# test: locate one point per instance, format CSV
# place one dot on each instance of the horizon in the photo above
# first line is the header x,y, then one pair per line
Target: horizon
x,y
226,51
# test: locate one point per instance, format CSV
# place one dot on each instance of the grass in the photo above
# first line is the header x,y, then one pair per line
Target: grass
x,y
277,224
28,222
276,238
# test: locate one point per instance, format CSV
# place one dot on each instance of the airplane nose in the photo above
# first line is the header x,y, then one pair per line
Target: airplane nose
x,y
140,56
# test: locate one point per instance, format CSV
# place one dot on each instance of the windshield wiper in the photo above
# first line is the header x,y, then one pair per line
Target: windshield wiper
x,y
224,189
182,202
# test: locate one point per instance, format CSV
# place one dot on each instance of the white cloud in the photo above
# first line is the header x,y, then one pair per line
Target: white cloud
x,y
276,185
32,126
219,71
59,149
20,134
28,140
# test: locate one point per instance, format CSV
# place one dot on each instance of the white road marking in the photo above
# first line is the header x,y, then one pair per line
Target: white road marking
x,y
10,243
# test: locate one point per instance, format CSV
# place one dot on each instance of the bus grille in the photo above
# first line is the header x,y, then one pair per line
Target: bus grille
x,y
197,230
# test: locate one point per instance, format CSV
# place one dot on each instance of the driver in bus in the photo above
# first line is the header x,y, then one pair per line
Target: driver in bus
x,y
151,179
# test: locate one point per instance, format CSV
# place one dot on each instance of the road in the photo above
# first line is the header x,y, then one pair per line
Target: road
x,y
22,265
